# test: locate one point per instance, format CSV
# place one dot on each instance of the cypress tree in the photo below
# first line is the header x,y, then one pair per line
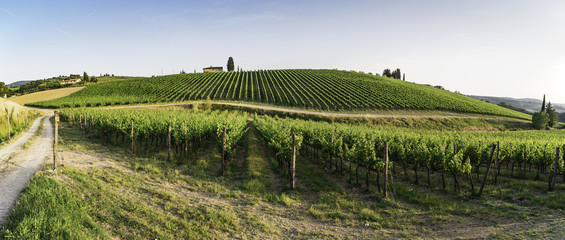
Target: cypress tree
x,y
543,104
553,116
386,73
85,77
230,64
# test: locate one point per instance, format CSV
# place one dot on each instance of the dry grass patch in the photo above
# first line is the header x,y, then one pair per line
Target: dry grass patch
x,y
45,95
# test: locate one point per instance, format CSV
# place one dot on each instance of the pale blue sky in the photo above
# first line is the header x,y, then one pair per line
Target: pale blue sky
x,y
503,48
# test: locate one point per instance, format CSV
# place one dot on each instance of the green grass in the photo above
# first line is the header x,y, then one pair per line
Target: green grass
x,y
257,178
312,89
49,210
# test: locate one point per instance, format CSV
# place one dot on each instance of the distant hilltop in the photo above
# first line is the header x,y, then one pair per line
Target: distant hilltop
x,y
17,84
529,104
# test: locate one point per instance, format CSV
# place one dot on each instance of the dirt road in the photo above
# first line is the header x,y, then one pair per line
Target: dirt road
x,y
17,165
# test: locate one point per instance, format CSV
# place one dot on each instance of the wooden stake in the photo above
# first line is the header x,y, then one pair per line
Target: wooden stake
x,y
386,171
55,140
9,127
169,143
186,141
497,163
224,151
564,164
293,163
132,139
488,169
553,175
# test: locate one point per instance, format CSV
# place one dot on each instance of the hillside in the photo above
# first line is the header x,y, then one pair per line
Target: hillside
x,y
311,89
17,84
530,104
45,95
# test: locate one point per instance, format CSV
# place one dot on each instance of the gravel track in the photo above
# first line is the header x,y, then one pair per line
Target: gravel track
x,y
18,165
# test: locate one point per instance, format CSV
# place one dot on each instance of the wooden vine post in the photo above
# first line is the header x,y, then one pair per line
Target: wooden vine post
x,y
186,141
132,139
292,170
9,125
55,140
80,121
553,174
564,164
386,171
224,151
169,143
488,169
497,163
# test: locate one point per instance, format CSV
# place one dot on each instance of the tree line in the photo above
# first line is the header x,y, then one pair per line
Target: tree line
x,y
50,83
396,74
546,118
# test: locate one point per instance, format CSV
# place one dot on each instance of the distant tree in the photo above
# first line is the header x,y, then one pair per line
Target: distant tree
x,y
543,104
386,73
93,79
553,116
230,64
539,120
4,90
403,77
85,77
562,117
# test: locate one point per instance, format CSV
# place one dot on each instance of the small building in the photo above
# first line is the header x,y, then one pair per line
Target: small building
x,y
213,69
71,81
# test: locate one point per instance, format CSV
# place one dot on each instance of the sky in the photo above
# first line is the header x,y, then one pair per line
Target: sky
x,y
506,48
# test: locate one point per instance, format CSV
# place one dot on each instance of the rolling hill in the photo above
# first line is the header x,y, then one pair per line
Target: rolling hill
x,y
327,90
529,104
17,84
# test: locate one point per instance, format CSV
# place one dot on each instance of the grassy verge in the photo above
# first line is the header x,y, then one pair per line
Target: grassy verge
x,y
49,210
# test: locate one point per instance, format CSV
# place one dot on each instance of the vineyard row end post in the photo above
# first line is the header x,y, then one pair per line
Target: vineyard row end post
x,y
386,171
224,151
293,163
488,169
553,174
55,140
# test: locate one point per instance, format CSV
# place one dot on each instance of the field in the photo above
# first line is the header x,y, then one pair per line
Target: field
x,y
14,119
105,191
327,90
45,95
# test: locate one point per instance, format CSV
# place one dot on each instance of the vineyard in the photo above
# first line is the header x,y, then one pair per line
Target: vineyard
x,y
343,147
310,89
200,174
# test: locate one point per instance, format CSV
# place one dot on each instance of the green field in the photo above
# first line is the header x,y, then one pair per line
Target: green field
x,y
331,90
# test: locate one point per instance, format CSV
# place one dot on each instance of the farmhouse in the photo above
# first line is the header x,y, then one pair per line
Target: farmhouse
x,y
71,81
213,69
